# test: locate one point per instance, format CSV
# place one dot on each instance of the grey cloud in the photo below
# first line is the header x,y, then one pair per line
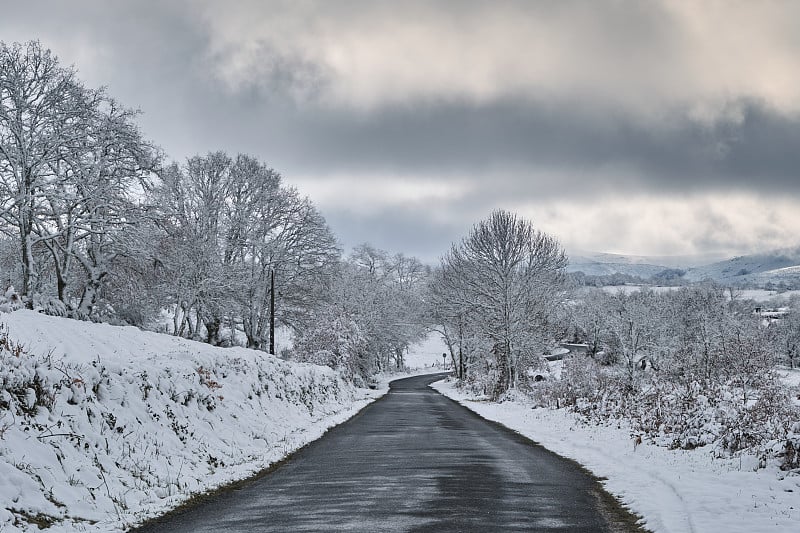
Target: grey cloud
x,y
156,55
413,231
614,110
508,140
148,54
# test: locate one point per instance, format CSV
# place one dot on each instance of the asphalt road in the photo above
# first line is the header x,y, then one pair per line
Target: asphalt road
x,y
412,461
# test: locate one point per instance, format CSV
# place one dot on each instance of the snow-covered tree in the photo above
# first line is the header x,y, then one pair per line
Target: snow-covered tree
x,y
458,327
230,223
787,334
71,164
335,339
98,204
632,329
382,293
589,318
506,277
43,111
292,240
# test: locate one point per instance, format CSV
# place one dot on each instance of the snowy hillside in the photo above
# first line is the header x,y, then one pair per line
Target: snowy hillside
x,y
778,266
667,261
787,275
103,426
759,268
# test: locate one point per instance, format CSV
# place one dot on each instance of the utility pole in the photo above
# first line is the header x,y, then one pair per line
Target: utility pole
x,y
272,312
460,347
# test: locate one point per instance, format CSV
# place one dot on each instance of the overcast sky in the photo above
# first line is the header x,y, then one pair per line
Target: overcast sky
x,y
641,127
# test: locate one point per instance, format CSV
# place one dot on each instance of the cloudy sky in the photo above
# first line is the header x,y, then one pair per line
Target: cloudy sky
x,y
642,127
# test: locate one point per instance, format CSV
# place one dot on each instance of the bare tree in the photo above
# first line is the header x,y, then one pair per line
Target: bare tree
x,y
97,203
42,111
511,276
291,240
787,333
631,331
590,318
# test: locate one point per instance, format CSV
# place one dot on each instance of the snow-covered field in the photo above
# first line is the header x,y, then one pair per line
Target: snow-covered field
x,y
757,295
790,376
628,289
762,295
675,491
104,426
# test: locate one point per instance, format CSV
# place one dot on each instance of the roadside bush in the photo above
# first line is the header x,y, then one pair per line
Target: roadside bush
x,y
686,368
10,300
699,413
24,385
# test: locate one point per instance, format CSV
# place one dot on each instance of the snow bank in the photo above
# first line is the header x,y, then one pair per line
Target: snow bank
x,y
104,426
675,491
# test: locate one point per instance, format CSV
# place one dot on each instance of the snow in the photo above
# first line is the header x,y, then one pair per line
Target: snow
x,y
628,289
102,426
763,295
675,491
790,376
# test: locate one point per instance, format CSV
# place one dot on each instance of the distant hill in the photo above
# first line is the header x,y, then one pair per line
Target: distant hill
x,y
775,267
602,264
594,268
770,267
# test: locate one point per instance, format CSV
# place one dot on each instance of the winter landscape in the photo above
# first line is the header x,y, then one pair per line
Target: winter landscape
x,y
248,252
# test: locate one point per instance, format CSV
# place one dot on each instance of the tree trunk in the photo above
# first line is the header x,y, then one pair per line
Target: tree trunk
x,y
61,285
504,372
212,330
27,263
90,291
253,342
177,320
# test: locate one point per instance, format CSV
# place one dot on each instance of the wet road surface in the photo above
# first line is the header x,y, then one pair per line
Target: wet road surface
x,y
412,461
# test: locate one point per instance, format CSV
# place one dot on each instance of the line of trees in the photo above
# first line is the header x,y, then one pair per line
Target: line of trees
x,y
374,315
96,224
103,227
688,367
227,226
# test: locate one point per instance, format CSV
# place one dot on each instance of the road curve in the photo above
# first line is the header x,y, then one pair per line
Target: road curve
x,y
412,461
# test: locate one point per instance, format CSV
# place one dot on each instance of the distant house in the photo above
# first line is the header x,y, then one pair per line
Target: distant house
x,y
771,313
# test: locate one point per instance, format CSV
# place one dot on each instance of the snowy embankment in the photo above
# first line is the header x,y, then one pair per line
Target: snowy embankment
x,y
675,491
104,426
